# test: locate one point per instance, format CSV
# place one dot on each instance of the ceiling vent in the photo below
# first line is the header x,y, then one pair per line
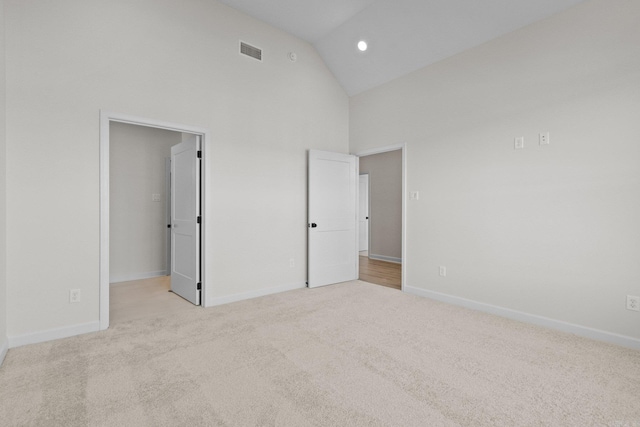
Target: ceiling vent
x,y
252,51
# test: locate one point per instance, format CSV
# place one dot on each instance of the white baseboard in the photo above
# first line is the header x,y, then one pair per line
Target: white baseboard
x,y
4,347
137,276
571,328
386,258
253,294
53,334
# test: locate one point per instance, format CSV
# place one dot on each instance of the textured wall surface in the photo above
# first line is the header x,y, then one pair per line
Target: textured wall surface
x,y
169,61
549,230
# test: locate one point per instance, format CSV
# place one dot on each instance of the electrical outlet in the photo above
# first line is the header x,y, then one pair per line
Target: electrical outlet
x,y
633,303
443,271
74,295
292,263
518,143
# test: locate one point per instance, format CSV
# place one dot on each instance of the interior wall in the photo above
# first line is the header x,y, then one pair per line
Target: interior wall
x,y
3,194
385,204
138,224
551,230
169,61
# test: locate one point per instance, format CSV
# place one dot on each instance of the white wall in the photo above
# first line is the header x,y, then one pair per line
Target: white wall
x,y
168,61
3,195
385,204
551,231
138,225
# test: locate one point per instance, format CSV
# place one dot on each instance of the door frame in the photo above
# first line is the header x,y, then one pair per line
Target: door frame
x,y
368,206
167,177
385,149
106,117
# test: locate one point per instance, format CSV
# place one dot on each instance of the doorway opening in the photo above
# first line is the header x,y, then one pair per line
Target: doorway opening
x,y
146,271
141,282
381,216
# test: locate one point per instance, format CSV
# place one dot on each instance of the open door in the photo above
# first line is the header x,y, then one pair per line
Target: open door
x,y
363,212
332,235
185,219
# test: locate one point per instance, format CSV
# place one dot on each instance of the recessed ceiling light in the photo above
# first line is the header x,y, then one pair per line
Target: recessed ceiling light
x,y
362,45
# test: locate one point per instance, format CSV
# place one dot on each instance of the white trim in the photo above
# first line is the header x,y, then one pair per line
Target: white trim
x,y
53,334
381,150
385,258
255,294
403,148
4,348
137,276
368,175
583,331
107,117
357,258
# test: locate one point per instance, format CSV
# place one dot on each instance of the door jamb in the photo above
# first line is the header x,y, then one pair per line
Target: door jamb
x,y
368,208
403,147
106,117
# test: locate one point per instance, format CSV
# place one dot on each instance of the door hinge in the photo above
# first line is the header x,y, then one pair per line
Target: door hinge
x,y
199,154
198,220
199,286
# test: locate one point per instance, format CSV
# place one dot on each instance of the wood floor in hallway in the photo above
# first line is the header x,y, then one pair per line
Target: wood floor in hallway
x,y
381,273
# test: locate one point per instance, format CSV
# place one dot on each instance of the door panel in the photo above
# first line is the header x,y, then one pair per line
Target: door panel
x,y
185,210
167,168
332,218
363,212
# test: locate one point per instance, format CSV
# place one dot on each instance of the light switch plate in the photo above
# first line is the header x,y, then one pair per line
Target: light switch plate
x,y
544,138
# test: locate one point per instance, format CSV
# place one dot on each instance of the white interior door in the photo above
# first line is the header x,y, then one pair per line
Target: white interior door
x,y
167,168
363,212
332,236
185,219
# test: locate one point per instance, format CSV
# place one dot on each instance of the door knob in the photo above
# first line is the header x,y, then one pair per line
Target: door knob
x,y
313,225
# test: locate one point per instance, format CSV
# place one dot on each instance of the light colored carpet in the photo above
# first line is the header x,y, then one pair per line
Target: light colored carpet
x,y
351,354
138,299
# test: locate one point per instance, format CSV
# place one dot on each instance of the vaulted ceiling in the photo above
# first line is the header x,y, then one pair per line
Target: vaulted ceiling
x,y
402,35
